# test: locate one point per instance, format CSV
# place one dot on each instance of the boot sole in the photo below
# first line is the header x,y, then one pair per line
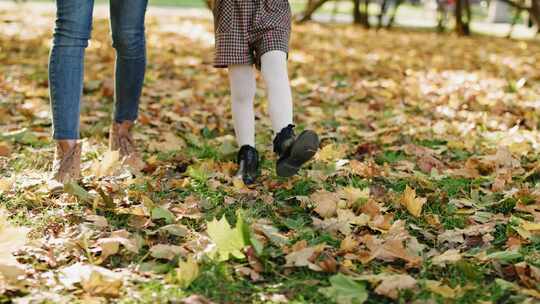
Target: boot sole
x,y
302,151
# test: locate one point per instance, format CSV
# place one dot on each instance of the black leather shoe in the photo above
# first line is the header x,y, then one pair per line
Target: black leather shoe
x,y
248,163
294,151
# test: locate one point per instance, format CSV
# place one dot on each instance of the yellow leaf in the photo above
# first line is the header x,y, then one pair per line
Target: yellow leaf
x,y
349,244
530,226
98,284
357,110
412,203
440,289
187,272
229,241
331,153
353,195
6,184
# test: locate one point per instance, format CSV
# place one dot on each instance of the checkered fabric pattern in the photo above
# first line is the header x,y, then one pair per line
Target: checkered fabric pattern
x,y
246,29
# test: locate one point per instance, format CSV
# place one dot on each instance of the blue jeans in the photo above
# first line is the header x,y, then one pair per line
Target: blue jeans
x,y
66,65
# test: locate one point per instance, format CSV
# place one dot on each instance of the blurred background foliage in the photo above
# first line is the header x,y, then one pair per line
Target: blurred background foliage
x,y
442,15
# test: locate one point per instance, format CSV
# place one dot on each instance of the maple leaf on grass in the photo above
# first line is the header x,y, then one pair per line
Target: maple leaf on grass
x,y
229,241
413,203
345,290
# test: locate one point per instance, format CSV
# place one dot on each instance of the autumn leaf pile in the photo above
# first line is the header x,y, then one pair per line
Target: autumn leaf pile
x,y
425,190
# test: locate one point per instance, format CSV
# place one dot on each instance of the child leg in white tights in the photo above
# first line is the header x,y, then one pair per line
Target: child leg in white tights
x,y
243,87
293,152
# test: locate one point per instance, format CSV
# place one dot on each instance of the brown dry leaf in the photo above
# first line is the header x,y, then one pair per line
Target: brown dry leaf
x,y
111,245
413,203
98,284
325,203
95,280
196,299
427,163
528,274
349,244
108,164
392,247
392,284
364,169
448,257
169,142
304,257
12,239
5,149
168,252
382,222
342,223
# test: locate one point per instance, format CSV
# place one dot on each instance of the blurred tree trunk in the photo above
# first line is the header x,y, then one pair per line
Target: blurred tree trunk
x,y
394,13
535,13
463,17
311,7
361,13
382,13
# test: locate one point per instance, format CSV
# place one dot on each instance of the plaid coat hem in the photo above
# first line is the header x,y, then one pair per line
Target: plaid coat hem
x,y
247,29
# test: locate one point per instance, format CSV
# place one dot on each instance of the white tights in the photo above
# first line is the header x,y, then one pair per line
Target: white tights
x,y
243,87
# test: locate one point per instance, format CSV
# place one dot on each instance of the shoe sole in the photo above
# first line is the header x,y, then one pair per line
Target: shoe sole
x,y
302,151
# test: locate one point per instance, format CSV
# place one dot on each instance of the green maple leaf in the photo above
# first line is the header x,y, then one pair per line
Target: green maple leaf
x,y
229,241
345,290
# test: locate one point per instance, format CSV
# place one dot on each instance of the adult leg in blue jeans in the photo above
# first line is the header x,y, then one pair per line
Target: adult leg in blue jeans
x,y
66,72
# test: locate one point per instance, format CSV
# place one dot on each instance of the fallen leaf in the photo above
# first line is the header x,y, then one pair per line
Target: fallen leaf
x,y
413,203
325,203
108,164
187,272
12,239
345,290
196,299
95,280
392,284
448,257
229,241
168,252
303,257
440,289
98,284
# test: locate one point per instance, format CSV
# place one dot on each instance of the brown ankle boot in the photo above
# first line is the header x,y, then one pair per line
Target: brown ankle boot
x,y
67,161
121,139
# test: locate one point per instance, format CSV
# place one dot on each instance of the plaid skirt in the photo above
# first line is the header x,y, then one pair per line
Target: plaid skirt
x,y
246,29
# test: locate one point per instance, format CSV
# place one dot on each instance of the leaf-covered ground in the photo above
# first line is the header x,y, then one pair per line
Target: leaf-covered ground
x,y
425,189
